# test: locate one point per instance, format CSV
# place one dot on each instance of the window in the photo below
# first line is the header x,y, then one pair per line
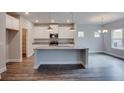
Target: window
x,y
117,39
96,34
81,34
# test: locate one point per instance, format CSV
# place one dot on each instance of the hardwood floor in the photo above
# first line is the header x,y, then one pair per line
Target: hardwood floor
x,y
100,67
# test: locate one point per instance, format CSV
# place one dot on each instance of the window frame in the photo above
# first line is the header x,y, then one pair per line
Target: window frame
x,y
98,34
122,39
81,36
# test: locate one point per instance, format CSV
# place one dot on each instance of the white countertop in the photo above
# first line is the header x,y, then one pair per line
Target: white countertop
x,y
58,47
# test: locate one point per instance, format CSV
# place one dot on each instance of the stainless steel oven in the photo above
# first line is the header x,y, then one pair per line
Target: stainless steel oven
x,y
53,39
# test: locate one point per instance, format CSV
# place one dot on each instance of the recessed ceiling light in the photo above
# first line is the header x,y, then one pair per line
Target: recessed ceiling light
x,y
68,21
52,20
26,13
36,21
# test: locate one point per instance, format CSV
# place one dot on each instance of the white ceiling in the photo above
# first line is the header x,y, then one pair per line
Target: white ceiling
x,y
93,18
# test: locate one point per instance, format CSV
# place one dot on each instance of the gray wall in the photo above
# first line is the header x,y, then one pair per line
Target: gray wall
x,y
107,38
12,46
89,41
2,41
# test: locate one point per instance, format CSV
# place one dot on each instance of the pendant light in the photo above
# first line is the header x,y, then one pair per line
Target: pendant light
x,y
103,30
50,28
72,27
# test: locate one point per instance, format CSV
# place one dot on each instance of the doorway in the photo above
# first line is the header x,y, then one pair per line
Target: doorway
x,y
24,42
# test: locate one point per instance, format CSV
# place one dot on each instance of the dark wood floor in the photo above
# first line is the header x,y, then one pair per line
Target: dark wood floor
x,y
100,67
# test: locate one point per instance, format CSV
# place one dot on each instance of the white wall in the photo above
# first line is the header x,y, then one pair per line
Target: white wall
x,y
107,38
24,23
89,41
2,42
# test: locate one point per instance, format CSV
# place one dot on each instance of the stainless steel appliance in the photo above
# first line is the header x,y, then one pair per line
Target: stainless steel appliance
x,y
53,39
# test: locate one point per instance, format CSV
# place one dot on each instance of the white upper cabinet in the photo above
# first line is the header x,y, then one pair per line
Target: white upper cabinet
x,y
65,33
55,28
15,23
41,33
8,21
12,23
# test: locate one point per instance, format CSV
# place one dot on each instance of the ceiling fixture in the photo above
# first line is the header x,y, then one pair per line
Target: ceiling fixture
x,y
36,21
26,13
99,31
68,21
52,20
103,30
72,27
50,28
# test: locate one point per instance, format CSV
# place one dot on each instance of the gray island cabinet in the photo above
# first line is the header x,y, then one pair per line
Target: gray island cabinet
x,y
60,55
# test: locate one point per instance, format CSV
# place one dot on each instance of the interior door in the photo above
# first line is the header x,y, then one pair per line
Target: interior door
x,y
24,34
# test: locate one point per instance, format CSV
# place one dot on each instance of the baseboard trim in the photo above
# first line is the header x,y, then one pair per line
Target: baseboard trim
x,y
13,60
36,67
30,55
114,55
107,53
95,52
7,60
3,69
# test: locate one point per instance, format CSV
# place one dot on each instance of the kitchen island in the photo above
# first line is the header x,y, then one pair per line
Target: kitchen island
x,y
59,55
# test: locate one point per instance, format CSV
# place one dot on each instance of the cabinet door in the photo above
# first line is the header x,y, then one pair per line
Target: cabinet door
x,y
41,33
65,33
55,28
15,23
12,23
8,22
